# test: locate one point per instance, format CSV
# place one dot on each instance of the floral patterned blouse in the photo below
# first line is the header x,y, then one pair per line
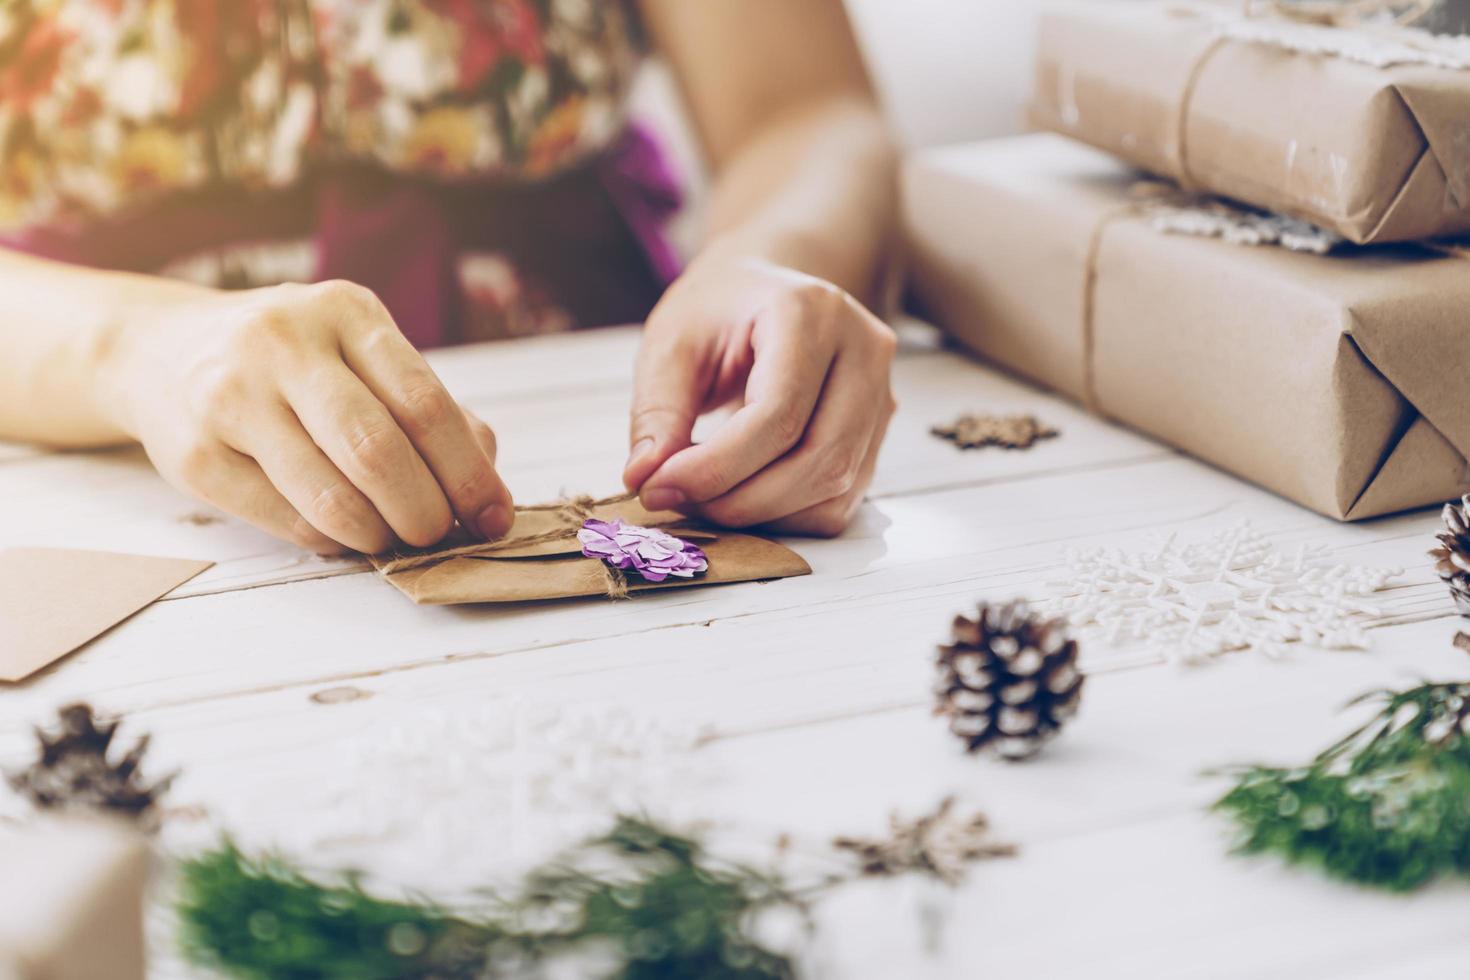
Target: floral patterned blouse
x,y
459,156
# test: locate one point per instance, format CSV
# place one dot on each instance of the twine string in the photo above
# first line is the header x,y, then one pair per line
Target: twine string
x,y
1186,102
573,511
617,581
1143,194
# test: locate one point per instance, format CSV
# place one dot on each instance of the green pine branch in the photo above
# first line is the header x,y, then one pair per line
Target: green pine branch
x,y
1388,805
260,917
649,902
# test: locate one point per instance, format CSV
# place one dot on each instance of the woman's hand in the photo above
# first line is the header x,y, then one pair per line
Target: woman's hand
x,y
811,368
303,410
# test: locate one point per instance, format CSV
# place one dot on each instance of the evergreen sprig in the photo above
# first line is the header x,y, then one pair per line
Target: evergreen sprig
x,y
660,901
641,901
1388,805
261,917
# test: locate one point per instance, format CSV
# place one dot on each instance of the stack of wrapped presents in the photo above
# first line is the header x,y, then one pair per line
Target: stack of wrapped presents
x,y
1239,236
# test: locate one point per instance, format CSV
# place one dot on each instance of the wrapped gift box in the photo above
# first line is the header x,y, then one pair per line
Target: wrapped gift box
x,y
71,900
1335,380
1358,130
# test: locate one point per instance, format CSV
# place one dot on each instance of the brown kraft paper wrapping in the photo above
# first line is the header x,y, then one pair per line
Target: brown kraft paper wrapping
x,y
1337,381
1376,154
540,558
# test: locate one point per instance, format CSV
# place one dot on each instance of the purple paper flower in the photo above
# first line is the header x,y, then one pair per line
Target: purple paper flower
x,y
653,554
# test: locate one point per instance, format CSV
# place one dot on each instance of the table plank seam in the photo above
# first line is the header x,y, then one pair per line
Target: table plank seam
x,y
187,592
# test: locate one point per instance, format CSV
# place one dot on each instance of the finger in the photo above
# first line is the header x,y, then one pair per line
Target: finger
x,y
828,461
364,442
791,364
236,485
311,483
831,517
436,425
670,382
484,435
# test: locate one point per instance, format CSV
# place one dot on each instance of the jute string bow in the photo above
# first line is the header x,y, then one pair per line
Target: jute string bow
x,y
572,511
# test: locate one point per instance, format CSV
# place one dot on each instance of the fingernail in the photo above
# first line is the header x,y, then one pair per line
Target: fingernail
x,y
494,521
663,498
640,447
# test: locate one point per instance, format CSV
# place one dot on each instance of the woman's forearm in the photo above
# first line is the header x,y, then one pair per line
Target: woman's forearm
x,y
814,189
299,408
60,328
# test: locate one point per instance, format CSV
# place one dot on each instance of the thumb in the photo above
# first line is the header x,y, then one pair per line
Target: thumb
x,y
667,397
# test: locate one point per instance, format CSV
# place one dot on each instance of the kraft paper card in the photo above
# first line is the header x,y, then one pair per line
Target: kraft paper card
x,y
72,900
1336,380
1359,129
56,599
541,558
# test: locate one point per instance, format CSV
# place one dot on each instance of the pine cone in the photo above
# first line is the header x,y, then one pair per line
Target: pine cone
x,y
1452,558
1009,680
72,771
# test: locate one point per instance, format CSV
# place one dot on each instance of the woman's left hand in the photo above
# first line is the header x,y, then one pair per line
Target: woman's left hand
x,y
808,366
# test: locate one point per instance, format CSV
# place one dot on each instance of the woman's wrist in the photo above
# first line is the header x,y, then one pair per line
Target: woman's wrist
x,y
799,249
790,248
125,346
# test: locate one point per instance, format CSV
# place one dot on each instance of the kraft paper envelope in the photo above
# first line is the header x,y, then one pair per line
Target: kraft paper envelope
x,y
540,558
1361,130
53,600
1335,380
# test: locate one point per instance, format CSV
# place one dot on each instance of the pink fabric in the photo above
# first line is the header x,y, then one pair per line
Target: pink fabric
x,y
401,244
594,237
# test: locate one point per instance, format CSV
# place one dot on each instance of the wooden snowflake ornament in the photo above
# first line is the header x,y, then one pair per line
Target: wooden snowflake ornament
x,y
1006,431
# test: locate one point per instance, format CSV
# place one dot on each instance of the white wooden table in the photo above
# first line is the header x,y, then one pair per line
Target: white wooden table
x,y
814,691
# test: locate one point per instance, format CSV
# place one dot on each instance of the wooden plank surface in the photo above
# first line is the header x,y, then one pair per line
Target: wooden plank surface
x,y
812,694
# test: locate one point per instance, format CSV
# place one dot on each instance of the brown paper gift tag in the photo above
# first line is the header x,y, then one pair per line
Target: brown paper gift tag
x,y
553,566
56,599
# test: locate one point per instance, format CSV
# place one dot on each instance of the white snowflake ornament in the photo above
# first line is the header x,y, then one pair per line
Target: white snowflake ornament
x,y
1234,590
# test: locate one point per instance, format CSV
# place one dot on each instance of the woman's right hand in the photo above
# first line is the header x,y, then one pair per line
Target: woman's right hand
x,y
303,410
